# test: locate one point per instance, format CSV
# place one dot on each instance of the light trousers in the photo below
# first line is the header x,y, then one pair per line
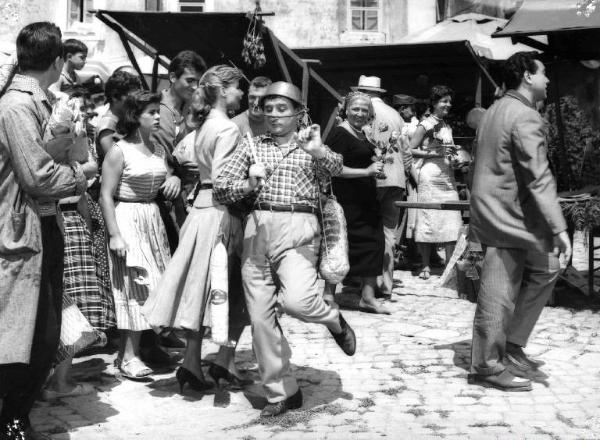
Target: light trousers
x,y
390,213
515,286
279,265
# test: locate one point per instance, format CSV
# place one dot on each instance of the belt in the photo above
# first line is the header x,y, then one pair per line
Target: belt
x,y
200,187
294,207
68,206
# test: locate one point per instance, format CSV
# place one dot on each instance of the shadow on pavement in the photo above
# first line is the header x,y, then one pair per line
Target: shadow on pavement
x,y
462,353
462,359
84,410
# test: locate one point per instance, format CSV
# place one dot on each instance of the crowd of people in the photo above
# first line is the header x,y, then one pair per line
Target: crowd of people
x,y
147,214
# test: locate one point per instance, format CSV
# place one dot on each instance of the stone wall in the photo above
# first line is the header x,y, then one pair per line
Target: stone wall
x,y
310,23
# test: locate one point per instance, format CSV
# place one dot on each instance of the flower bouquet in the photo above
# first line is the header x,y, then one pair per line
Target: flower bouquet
x,y
383,148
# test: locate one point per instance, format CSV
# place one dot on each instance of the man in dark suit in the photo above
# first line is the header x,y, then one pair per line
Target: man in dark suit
x,y
516,217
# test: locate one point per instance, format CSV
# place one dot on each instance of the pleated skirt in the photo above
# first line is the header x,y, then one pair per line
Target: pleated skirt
x,y
148,254
181,298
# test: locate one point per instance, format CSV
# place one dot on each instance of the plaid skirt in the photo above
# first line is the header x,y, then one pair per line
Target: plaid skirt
x,y
76,333
80,281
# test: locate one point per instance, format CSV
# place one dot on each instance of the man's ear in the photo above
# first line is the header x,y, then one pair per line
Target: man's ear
x,y
172,77
58,63
527,76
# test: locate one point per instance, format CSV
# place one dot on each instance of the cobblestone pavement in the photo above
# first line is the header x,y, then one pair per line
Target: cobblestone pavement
x,y
407,380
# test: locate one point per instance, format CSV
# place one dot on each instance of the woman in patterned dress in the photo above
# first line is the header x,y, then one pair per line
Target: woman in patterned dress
x,y
433,143
133,172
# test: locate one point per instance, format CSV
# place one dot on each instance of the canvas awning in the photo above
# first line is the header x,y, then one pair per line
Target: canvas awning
x,y
570,35
476,28
217,37
405,68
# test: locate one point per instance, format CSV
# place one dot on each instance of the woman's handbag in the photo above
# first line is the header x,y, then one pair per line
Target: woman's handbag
x,y
334,263
219,294
18,234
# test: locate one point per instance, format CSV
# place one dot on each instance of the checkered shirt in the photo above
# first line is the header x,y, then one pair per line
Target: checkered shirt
x,y
291,174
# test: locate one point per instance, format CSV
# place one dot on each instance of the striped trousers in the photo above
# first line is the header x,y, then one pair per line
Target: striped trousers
x,y
515,286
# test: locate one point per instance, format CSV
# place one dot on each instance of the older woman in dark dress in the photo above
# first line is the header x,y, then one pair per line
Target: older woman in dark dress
x,y
355,190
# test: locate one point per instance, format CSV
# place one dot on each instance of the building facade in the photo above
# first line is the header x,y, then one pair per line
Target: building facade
x,y
299,23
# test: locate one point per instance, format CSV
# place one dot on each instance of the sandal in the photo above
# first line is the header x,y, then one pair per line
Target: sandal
x,y
373,308
425,274
135,369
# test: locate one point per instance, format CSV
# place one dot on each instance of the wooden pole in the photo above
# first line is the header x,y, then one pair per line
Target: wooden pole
x,y
305,81
280,61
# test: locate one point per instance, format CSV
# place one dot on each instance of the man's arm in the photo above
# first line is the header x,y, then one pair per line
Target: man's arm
x,y
331,163
531,153
38,174
232,182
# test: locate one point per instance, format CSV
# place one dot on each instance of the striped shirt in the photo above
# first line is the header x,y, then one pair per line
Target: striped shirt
x,y
142,175
291,174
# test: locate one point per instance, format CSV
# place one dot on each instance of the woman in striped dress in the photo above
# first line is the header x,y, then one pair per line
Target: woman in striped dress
x,y
133,172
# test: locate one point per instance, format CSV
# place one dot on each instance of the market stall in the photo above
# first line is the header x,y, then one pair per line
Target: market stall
x,y
236,39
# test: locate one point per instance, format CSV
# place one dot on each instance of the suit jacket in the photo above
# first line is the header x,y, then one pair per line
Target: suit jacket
x,y
513,198
214,146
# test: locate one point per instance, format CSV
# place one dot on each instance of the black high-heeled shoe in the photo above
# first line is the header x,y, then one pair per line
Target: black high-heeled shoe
x,y
217,373
184,376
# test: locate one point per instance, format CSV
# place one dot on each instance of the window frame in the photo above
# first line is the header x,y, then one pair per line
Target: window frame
x,y
364,10
192,4
83,14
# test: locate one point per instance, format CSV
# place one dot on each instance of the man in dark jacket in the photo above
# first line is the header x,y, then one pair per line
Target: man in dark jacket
x,y
516,217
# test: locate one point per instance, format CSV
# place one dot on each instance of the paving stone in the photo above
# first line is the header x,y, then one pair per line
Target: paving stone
x,y
407,380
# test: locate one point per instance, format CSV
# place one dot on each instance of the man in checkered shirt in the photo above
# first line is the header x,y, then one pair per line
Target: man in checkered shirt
x,y
282,236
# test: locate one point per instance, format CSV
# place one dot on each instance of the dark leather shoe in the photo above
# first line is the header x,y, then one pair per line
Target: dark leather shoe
x,y
278,408
505,381
517,357
346,339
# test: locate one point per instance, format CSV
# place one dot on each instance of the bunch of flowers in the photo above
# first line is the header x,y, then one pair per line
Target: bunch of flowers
x,y
253,52
384,149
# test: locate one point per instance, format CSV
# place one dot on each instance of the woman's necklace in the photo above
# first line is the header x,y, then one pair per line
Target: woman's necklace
x,y
359,132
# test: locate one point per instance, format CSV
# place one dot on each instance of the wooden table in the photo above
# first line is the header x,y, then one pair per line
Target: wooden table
x,y
453,205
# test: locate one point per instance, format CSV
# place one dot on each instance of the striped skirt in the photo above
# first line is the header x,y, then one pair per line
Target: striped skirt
x,y
136,275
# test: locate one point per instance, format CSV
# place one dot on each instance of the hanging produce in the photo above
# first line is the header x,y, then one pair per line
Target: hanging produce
x,y
253,52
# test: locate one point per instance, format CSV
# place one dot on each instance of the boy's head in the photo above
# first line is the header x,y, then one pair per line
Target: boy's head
x,y
185,71
257,89
39,48
119,86
75,53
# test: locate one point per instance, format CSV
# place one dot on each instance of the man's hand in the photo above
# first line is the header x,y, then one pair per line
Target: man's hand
x,y
562,248
171,187
310,141
256,175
